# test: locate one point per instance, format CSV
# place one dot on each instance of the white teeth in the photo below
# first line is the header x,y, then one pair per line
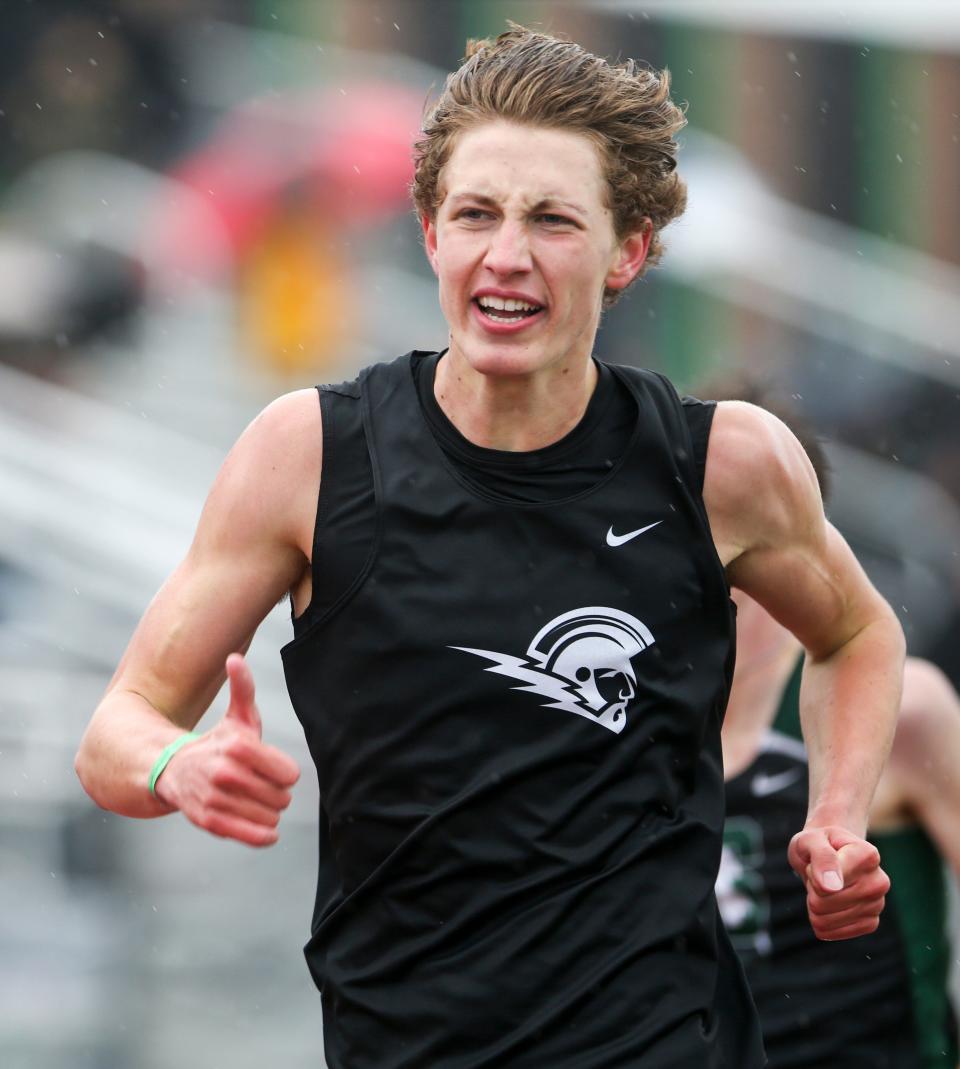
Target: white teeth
x,y
506,304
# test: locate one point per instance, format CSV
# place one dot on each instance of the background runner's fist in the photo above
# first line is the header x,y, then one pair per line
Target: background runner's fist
x,y
229,782
846,887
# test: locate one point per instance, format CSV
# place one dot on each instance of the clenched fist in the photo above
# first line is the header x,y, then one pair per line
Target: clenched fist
x,y
846,888
229,782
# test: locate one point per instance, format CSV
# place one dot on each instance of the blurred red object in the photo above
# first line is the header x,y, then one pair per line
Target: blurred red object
x,y
345,152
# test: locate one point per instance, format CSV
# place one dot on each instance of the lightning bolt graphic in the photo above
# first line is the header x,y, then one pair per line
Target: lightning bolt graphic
x,y
536,681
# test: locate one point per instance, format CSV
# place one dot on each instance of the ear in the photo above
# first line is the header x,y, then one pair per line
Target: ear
x,y
429,227
629,257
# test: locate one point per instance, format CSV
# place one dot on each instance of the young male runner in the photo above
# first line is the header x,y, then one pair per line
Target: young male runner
x,y
876,1002
513,637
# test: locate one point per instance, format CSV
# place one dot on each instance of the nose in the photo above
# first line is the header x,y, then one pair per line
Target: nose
x,y
508,252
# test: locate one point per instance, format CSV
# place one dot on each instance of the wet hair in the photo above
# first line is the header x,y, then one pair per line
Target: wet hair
x,y
757,390
533,78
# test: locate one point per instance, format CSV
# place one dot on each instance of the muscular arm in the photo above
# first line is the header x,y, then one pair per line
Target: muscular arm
x,y
922,772
251,545
768,523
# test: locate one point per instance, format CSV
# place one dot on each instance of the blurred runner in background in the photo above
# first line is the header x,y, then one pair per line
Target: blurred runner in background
x,y
881,1001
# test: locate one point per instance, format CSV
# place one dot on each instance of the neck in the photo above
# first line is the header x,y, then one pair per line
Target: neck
x,y
766,657
514,412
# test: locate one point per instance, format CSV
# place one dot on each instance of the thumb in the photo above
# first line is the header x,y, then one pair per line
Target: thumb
x,y
825,869
857,859
242,708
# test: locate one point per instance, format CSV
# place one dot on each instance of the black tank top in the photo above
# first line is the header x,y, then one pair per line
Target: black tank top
x,y
514,711
822,1005
575,463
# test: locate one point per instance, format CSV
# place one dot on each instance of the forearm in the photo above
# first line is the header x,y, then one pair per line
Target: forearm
x,y
849,702
118,751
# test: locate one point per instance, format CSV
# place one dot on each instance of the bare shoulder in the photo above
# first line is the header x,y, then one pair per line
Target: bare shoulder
x,y
286,433
921,774
927,740
930,703
266,490
759,487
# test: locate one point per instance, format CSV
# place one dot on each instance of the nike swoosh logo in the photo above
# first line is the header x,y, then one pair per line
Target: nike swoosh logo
x,y
761,785
618,540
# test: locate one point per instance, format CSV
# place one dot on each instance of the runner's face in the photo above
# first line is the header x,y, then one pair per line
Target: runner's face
x,y
523,219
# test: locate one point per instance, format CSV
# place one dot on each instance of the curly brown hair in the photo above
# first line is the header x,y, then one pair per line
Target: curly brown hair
x,y
530,77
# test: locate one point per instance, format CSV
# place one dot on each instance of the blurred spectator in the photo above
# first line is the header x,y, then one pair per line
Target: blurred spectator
x,y
92,75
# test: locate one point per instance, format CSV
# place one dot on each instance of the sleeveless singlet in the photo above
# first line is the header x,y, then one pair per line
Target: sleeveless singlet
x,y
514,711
877,1002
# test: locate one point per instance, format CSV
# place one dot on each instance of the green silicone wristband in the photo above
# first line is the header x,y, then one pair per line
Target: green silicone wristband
x,y
165,754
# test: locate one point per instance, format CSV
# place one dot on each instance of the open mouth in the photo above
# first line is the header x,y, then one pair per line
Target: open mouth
x,y
506,309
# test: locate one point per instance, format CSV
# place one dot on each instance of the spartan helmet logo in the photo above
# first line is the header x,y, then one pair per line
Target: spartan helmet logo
x,y
582,662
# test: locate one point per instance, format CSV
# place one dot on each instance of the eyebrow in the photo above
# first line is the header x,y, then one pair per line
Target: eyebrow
x,y
541,205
